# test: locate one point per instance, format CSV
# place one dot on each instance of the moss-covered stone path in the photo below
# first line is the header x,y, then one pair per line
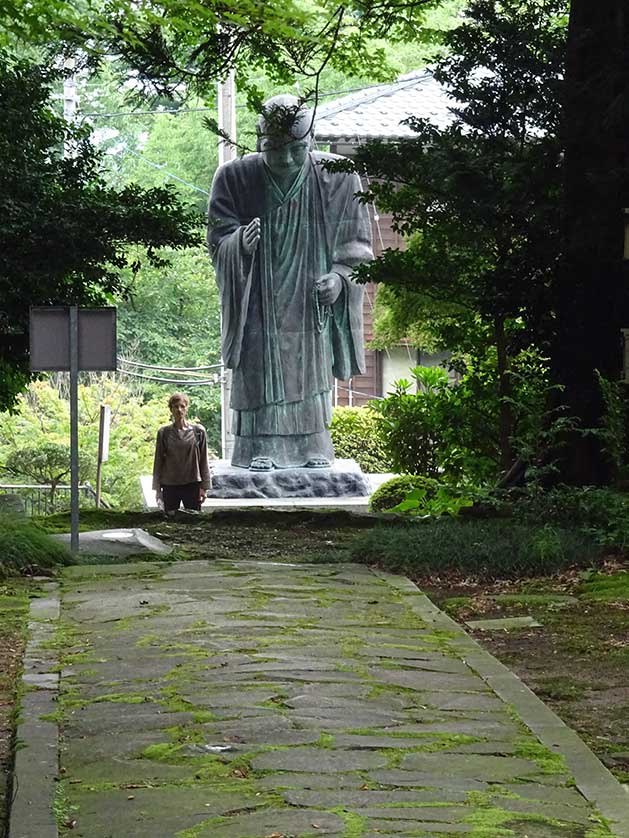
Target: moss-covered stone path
x,y
261,700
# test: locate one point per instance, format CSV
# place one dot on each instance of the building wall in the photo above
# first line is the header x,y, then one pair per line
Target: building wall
x,y
362,388
397,361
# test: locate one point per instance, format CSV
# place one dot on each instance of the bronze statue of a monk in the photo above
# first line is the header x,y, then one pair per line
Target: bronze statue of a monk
x,y
285,235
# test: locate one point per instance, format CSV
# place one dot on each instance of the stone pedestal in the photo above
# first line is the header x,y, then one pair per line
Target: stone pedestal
x,y
343,479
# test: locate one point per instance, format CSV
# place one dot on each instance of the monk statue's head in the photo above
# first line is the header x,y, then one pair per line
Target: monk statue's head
x,y
285,134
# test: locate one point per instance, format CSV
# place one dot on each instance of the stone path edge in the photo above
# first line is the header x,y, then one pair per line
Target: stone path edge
x,y
594,781
36,767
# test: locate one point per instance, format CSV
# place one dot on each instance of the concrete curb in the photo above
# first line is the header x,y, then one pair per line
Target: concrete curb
x,y
594,781
36,761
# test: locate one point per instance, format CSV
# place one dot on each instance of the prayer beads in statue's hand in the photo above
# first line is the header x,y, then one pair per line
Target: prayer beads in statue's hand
x,y
251,237
328,288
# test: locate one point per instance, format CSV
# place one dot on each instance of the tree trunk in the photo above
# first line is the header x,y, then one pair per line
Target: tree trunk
x,y
590,292
505,392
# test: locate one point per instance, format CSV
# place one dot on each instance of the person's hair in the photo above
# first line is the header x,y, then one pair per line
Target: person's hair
x,y
178,397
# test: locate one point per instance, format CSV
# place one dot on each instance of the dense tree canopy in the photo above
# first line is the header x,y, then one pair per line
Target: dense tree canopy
x,y
516,212
174,45
63,231
479,200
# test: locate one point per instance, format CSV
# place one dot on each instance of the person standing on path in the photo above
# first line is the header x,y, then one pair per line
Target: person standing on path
x,y
181,473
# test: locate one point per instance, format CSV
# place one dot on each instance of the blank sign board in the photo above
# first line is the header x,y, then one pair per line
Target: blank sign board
x,y
50,338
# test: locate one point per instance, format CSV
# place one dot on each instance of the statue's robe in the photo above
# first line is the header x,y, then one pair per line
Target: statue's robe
x,y
284,347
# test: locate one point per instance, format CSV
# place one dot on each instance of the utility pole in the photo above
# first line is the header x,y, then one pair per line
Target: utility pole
x,y
70,99
70,103
226,151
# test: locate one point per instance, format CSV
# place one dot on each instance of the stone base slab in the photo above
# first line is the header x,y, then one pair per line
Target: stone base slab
x,y
118,542
343,479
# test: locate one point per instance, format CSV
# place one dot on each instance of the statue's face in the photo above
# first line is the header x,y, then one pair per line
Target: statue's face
x,y
285,155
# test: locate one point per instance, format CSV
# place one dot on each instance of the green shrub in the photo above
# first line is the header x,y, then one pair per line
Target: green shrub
x,y
439,430
602,513
485,548
417,495
412,436
444,500
394,491
25,548
356,435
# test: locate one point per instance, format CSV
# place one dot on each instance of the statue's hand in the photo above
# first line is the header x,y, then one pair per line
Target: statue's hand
x,y
251,237
329,287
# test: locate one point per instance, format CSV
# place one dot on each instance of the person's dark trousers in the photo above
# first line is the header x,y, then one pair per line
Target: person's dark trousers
x,y
188,494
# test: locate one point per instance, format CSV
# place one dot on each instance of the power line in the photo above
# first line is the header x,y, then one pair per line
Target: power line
x,y
169,369
176,111
177,382
161,167
196,382
358,393
146,113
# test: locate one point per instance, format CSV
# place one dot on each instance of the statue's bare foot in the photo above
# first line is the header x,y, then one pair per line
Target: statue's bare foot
x,y
318,462
261,464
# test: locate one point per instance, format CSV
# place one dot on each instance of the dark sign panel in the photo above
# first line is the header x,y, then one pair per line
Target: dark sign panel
x,y
50,339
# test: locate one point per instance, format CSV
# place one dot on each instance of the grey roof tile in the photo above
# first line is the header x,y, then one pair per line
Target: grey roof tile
x,y
378,112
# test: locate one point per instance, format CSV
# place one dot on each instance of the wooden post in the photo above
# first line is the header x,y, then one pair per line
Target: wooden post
x,y
103,446
226,151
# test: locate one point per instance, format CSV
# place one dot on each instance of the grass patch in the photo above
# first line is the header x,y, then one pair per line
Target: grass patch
x,y
601,829
326,740
354,826
14,602
63,810
26,548
559,688
607,588
87,559
454,604
483,548
97,519
546,760
122,698
525,600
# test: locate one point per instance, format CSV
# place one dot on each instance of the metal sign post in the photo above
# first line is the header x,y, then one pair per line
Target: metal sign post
x,y
73,324
70,339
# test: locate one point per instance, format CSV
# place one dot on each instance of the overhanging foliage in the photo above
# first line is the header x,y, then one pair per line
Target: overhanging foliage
x,y
63,231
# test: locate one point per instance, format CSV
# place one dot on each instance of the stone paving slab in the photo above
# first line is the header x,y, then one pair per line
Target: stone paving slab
x,y
121,542
504,624
189,708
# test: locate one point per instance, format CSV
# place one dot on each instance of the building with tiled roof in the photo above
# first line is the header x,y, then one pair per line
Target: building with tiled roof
x,y
379,113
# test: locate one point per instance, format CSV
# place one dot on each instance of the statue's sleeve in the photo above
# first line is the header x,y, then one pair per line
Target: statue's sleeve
x,y
351,247
234,268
